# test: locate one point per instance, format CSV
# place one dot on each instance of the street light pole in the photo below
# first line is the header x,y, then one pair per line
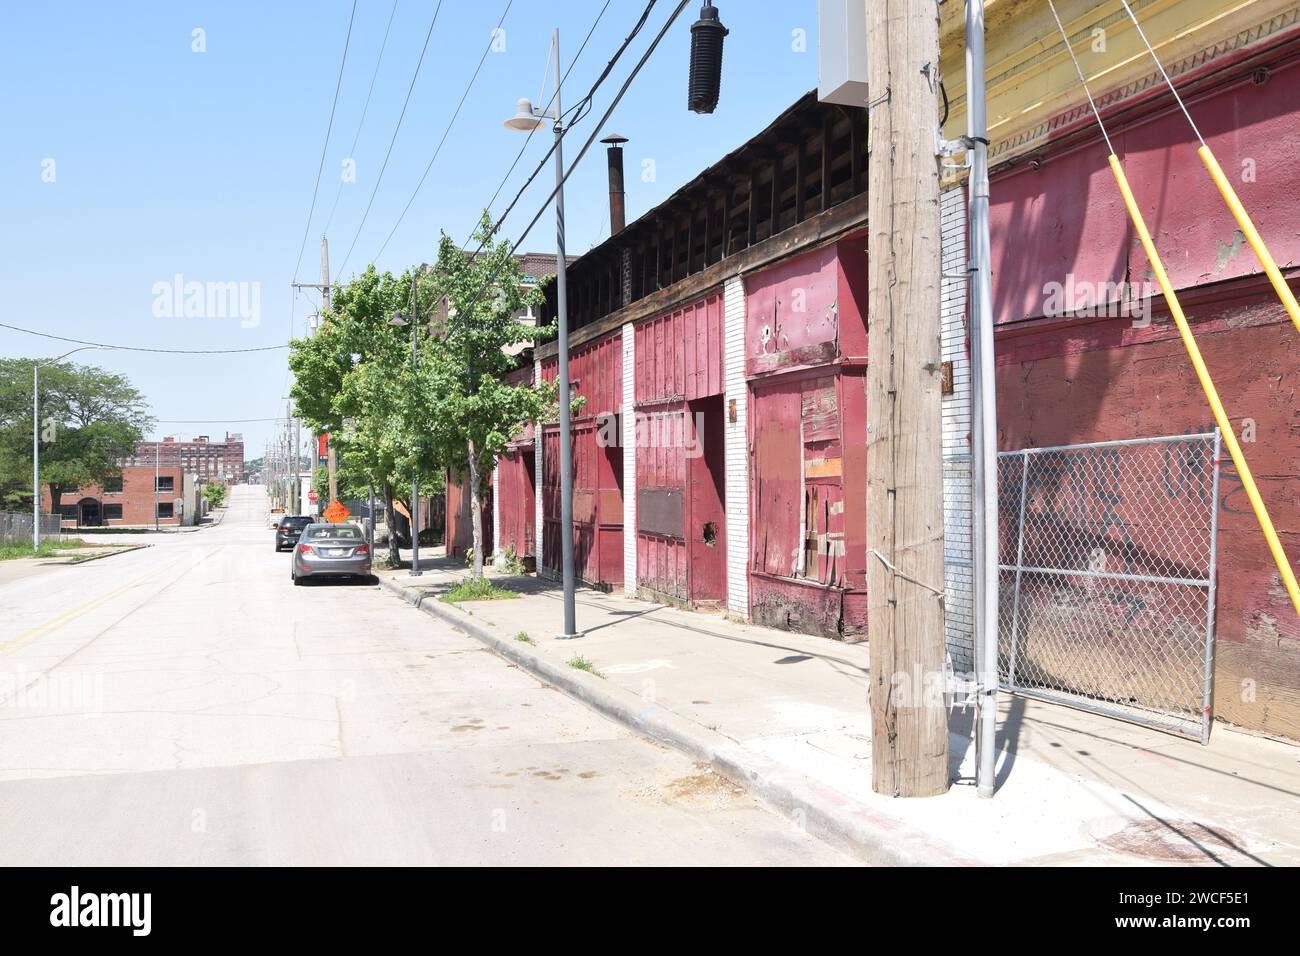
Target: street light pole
x,y
561,305
525,120
415,473
36,459
400,320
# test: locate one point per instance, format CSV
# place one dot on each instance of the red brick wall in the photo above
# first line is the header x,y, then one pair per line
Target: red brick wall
x,y
136,496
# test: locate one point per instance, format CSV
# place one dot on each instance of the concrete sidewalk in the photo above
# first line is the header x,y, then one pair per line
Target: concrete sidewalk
x,y
786,716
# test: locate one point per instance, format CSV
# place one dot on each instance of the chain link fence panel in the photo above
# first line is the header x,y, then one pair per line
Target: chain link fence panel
x,y
1106,577
16,527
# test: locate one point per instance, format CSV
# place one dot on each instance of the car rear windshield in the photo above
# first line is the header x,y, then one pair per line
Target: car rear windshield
x,y
338,533
296,523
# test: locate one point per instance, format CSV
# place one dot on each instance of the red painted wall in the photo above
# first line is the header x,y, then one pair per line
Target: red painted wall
x,y
596,374
517,500
1066,380
1072,210
679,482
805,345
1091,384
460,527
679,353
791,317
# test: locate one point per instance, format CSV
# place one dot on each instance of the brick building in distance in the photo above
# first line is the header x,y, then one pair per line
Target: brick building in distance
x,y
131,500
202,457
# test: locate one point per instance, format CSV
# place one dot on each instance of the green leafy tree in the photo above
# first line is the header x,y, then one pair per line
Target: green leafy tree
x,y
214,493
468,409
91,420
354,380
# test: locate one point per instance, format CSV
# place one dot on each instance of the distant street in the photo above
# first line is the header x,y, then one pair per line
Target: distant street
x,y
184,704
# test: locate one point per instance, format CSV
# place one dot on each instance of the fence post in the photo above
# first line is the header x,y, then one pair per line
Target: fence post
x,y
1207,698
1020,561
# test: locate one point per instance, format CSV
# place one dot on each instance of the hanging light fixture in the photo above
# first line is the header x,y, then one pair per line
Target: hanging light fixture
x,y
707,34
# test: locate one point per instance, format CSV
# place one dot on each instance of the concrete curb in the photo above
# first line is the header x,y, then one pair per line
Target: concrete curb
x,y
819,810
108,554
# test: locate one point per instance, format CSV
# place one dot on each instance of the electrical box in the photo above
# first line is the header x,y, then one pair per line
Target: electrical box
x,y
842,52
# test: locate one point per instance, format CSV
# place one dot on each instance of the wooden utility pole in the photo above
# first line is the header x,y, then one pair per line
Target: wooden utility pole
x,y
909,725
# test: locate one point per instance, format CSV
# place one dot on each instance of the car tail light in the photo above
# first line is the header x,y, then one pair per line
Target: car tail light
x,y
364,549
304,549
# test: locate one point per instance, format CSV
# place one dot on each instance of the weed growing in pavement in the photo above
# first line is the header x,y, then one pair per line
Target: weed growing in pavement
x,y
523,638
578,662
477,589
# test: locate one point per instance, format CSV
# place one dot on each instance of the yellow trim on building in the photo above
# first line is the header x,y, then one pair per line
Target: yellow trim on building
x,y
1029,75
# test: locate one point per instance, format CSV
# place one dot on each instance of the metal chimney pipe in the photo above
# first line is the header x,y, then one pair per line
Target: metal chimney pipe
x,y
617,194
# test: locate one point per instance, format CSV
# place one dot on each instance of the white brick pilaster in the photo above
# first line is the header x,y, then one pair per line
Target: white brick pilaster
x,y
538,517
629,458
498,558
959,604
736,392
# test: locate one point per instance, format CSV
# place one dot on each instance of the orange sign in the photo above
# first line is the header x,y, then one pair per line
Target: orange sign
x,y
337,513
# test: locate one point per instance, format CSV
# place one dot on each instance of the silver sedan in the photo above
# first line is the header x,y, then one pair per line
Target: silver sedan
x,y
330,550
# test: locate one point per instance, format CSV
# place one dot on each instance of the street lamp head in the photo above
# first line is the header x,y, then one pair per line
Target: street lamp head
x,y
398,320
525,119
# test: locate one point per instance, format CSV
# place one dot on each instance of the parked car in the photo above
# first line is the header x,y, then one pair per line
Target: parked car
x,y
289,529
330,550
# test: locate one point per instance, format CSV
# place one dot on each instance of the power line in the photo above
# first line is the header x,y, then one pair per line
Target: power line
x,y
446,132
325,146
136,348
585,147
528,139
364,110
407,102
579,111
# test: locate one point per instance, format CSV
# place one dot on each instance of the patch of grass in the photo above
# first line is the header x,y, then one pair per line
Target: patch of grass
x,y
523,638
477,589
49,549
578,662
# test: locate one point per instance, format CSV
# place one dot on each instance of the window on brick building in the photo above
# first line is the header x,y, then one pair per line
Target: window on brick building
x,y
164,509
112,512
113,486
166,483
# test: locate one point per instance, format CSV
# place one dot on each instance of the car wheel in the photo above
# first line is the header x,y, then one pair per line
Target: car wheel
x,y
297,581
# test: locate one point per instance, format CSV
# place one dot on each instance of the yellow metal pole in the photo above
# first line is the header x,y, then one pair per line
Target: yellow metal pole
x,y
1211,393
1252,234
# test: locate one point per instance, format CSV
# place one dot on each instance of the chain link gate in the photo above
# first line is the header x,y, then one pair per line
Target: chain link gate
x,y
1106,578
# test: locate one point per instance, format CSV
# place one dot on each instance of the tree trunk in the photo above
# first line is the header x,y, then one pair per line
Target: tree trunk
x,y
56,498
390,520
475,513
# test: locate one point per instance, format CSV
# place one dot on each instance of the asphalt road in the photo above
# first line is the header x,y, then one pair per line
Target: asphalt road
x,y
185,704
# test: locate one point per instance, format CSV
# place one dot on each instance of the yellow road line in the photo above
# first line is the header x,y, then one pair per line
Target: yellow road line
x,y
11,645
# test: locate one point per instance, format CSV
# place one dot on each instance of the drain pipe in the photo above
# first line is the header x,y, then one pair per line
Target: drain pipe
x,y
984,457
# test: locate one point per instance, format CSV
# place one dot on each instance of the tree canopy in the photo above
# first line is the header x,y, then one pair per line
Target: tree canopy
x,y
394,417
90,420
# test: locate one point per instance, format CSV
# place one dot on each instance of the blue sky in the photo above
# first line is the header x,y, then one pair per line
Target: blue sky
x,y
170,162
